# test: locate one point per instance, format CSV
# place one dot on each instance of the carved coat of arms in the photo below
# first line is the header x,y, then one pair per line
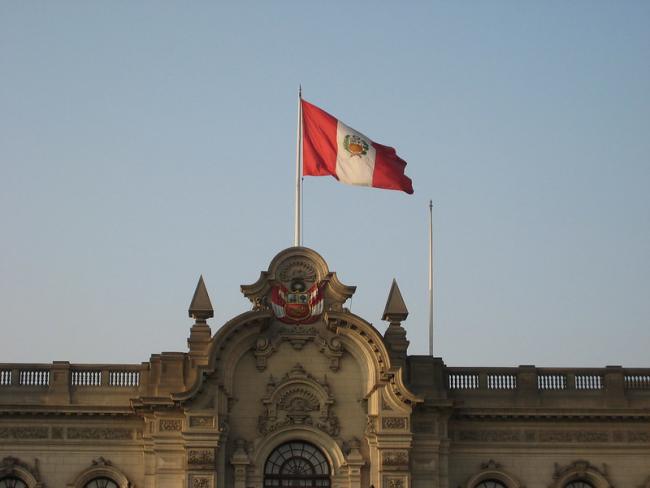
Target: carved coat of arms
x,y
297,304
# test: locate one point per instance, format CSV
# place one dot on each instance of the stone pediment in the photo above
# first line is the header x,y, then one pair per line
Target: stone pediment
x,y
298,287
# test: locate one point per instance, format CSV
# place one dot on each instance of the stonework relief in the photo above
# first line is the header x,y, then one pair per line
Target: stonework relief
x,y
200,482
298,399
298,335
395,459
170,425
202,421
394,423
200,457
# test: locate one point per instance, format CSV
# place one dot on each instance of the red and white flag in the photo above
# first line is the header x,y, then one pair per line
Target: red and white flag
x,y
332,148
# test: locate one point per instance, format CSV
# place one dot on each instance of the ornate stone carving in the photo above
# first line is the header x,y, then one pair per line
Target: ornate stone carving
x,y
371,424
170,425
200,457
395,459
297,335
394,423
396,483
103,433
200,482
298,399
202,421
57,432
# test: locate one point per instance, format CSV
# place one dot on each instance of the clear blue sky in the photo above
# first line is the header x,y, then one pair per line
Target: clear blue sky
x,y
145,143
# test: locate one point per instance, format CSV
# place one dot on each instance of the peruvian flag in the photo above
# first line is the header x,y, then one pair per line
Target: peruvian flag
x,y
332,148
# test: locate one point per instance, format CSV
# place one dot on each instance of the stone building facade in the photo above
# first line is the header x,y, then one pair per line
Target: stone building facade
x,y
299,391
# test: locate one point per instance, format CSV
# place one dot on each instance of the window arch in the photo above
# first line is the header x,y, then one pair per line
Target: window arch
x,y
102,482
580,474
491,484
492,475
296,463
101,474
579,484
12,482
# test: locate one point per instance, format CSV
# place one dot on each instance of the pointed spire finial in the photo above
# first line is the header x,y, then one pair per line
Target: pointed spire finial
x,y
201,307
395,310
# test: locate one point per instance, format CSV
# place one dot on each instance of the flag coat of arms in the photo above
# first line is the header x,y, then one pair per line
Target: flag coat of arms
x,y
332,148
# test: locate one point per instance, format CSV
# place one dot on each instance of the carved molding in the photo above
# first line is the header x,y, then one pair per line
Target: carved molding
x,y
298,399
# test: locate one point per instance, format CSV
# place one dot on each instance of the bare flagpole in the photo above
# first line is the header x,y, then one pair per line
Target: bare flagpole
x,y
297,236
430,278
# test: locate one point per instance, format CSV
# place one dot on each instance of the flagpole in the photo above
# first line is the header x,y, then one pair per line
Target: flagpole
x,y
430,278
297,236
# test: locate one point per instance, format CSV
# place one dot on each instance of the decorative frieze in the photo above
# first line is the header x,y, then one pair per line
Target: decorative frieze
x,y
24,433
57,432
394,423
552,436
202,421
102,433
170,425
572,436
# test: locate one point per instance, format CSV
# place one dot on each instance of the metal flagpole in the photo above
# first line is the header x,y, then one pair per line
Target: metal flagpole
x,y
430,278
297,237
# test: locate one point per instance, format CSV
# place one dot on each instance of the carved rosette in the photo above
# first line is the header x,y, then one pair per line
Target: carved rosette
x,y
298,399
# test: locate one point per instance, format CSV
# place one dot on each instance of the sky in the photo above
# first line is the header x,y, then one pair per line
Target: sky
x,y
143,144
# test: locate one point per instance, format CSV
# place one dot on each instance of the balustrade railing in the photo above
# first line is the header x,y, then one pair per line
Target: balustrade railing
x,y
546,379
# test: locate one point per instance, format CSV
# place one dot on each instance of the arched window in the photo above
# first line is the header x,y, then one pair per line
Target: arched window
x,y
579,484
491,484
12,482
296,463
101,482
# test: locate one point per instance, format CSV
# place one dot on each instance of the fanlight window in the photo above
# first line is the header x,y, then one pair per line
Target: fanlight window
x,y
491,484
12,483
101,483
579,484
296,464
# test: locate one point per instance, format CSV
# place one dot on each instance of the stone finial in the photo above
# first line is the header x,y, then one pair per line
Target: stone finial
x,y
201,307
395,335
395,310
